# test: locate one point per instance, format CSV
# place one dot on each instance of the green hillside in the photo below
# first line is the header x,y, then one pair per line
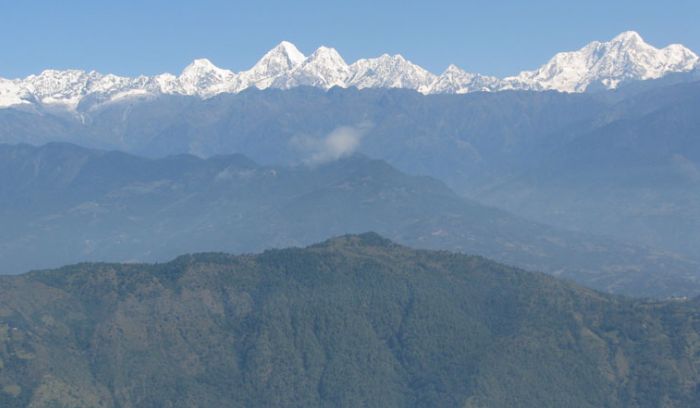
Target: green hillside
x,y
355,321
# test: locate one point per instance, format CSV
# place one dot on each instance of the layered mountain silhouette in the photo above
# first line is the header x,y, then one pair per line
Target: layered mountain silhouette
x,y
620,163
633,173
63,204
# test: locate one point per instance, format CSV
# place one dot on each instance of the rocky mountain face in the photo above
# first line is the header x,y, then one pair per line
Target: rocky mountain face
x,y
598,65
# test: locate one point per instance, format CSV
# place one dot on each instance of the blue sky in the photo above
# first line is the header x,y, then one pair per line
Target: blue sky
x,y
490,37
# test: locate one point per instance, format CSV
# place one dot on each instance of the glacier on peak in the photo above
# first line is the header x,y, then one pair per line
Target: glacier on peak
x,y
624,58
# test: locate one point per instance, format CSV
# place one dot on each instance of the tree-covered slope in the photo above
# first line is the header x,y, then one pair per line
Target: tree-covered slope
x,y
355,321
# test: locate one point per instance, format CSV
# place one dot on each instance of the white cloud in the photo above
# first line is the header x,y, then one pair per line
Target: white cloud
x,y
341,142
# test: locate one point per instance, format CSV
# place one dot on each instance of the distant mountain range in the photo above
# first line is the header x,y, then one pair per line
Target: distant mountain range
x,y
598,65
356,321
62,204
623,163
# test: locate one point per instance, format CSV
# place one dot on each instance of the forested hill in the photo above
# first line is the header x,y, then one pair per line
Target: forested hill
x,y
354,321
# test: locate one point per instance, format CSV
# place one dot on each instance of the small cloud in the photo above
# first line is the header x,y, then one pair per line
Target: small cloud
x,y
341,142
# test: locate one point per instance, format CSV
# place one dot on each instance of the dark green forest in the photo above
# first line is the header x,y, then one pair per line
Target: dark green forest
x,y
354,321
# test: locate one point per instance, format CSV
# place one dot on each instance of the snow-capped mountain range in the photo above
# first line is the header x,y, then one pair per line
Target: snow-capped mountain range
x,y
607,64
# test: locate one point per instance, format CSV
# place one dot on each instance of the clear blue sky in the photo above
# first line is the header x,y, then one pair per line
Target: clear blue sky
x,y
491,37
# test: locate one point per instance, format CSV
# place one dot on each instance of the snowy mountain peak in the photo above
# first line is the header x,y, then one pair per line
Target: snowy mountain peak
x,y
626,57
627,37
453,69
204,78
328,59
65,87
386,58
200,64
389,71
598,65
290,50
282,57
279,61
13,94
324,68
456,80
